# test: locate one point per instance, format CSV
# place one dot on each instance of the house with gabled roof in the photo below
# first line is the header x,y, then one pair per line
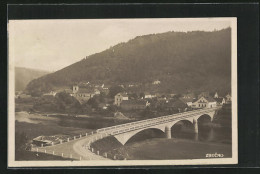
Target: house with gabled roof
x,y
119,98
82,94
204,102
188,101
216,95
220,100
147,95
189,95
228,98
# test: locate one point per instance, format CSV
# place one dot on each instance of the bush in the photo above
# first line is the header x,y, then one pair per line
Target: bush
x,y
22,142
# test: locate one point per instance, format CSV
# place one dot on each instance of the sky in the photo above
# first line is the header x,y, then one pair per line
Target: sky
x,y
54,44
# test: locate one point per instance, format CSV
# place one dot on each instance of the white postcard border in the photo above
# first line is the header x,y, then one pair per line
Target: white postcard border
x,y
210,161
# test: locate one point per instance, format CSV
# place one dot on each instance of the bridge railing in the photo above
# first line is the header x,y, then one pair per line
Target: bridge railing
x,y
157,118
114,132
153,119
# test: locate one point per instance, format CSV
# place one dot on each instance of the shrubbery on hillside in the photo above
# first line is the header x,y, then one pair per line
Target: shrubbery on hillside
x,y
62,102
195,60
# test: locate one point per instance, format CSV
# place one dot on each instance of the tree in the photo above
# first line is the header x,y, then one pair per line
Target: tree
x,y
133,95
21,141
115,90
65,97
147,112
93,103
112,108
142,95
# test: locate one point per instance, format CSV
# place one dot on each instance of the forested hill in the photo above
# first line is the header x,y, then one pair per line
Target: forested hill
x,y
180,60
24,75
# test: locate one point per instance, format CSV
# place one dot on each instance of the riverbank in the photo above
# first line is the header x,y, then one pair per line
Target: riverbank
x,y
163,149
35,125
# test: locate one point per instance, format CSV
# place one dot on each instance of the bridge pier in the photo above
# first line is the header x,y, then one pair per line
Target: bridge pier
x,y
168,132
196,129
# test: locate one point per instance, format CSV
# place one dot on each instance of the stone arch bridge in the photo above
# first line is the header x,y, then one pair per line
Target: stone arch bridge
x,y
124,132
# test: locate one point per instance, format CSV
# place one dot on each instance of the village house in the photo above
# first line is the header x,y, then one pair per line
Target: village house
x,y
134,104
216,95
220,100
228,98
119,98
172,95
153,95
149,95
52,93
23,96
189,96
187,101
82,94
156,82
18,93
205,102
96,91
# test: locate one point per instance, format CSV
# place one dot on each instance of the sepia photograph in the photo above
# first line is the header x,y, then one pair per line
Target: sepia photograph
x,y
122,92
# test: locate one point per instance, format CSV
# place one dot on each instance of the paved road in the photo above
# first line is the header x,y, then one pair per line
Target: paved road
x,y
75,149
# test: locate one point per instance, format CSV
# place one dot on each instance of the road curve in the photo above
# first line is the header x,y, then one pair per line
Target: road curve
x,y
74,149
79,148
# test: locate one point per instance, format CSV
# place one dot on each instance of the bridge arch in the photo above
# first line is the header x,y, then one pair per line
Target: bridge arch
x,y
189,120
125,137
209,115
184,127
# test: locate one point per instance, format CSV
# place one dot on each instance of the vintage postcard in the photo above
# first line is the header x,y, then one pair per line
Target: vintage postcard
x,y
122,92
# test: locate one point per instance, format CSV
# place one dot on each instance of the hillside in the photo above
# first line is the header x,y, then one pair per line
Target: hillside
x,y
194,60
24,75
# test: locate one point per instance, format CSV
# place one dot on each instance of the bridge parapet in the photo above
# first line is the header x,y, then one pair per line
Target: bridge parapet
x,y
149,122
